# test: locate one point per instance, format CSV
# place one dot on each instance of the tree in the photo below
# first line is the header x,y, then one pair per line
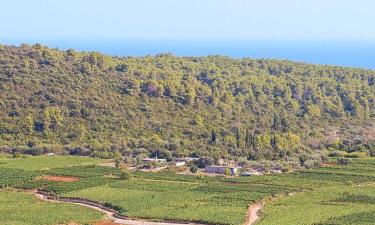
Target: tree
x,y
117,158
227,172
213,137
27,124
193,168
238,137
52,118
313,110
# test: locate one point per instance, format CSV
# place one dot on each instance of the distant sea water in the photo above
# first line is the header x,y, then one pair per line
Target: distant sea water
x,y
350,54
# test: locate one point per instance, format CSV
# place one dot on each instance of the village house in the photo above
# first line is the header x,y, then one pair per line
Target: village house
x,y
179,163
222,169
154,160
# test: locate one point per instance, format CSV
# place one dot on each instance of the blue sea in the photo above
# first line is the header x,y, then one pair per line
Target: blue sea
x,y
350,54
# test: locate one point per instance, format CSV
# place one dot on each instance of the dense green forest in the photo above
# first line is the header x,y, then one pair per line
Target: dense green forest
x,y
94,104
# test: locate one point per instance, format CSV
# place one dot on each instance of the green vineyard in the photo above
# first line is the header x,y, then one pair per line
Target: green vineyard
x,y
331,194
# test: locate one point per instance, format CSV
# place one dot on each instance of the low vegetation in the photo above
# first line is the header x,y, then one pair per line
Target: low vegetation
x,y
18,208
45,162
332,194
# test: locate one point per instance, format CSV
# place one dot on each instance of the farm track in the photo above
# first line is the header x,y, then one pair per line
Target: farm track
x,y
112,215
253,213
254,210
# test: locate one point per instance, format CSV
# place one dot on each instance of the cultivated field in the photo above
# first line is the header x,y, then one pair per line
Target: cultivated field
x,y
17,208
328,195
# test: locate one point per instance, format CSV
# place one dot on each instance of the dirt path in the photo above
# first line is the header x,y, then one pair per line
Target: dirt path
x,y
253,214
111,215
254,210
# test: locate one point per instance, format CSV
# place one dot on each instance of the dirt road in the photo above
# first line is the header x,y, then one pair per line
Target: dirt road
x,y
253,214
111,215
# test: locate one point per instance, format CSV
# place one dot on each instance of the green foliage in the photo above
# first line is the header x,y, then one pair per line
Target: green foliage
x,y
45,162
227,172
193,168
22,208
326,195
125,174
93,104
14,177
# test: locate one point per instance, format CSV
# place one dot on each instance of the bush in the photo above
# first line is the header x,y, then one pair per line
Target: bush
x,y
17,155
309,164
286,168
356,155
227,172
193,168
338,153
344,161
372,152
35,151
125,174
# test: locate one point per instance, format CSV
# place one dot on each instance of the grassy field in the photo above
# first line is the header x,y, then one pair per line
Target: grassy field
x,y
329,195
17,208
45,162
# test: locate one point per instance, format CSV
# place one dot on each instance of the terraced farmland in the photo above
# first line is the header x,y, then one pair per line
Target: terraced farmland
x,y
328,195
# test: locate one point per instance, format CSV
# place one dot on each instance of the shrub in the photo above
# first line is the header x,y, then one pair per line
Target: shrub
x,y
17,155
338,153
356,155
286,168
343,161
35,151
193,168
308,164
125,174
227,172
372,152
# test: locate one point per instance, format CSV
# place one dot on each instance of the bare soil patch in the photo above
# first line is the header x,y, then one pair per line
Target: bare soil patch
x,y
328,164
253,214
106,223
60,178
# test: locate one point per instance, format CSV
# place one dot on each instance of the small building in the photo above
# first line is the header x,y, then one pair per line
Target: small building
x,y
154,160
276,171
180,163
222,169
246,174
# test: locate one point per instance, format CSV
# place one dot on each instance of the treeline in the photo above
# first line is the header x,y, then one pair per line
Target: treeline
x,y
90,103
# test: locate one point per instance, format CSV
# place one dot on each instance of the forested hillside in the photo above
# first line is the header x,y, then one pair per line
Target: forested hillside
x,y
93,104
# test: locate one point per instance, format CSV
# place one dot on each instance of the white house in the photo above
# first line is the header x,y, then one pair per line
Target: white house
x,y
179,163
221,169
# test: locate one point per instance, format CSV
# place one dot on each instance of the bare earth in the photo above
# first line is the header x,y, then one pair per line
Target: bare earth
x,y
60,178
252,214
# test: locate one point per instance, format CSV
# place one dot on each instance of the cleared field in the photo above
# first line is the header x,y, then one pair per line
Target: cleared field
x,y
45,162
17,208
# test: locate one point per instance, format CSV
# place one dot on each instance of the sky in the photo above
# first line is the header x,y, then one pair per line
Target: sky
x,y
188,19
76,22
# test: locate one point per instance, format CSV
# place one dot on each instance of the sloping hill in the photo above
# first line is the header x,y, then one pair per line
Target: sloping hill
x,y
90,103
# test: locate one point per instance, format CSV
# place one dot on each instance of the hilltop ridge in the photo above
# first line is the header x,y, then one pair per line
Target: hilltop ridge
x,y
93,104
